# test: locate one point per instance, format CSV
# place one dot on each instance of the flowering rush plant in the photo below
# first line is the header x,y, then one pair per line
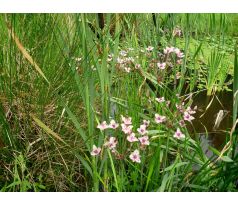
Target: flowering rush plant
x,y
128,60
137,138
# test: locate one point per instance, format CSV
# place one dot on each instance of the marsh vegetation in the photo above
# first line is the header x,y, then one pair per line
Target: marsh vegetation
x,y
118,102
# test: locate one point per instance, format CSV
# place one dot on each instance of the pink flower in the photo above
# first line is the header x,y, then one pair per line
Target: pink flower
x,y
113,124
111,143
135,156
168,50
161,65
188,117
96,151
159,118
142,130
127,129
149,48
103,125
178,53
182,123
178,134
160,100
190,110
126,121
144,140
146,123
132,138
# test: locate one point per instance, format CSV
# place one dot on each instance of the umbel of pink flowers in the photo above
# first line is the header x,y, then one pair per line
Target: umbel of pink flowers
x,y
168,51
127,62
127,128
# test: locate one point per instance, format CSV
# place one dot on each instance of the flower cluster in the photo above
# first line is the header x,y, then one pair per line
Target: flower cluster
x,y
128,59
141,136
131,137
165,61
138,137
169,50
187,113
125,62
104,125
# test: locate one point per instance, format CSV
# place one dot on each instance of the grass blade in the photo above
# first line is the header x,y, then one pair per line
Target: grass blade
x,y
235,87
113,170
25,53
46,128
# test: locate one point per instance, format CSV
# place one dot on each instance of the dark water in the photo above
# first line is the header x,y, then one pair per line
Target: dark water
x,y
204,123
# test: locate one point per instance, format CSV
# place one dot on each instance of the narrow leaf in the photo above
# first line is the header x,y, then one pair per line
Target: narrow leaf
x,y
25,53
46,128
